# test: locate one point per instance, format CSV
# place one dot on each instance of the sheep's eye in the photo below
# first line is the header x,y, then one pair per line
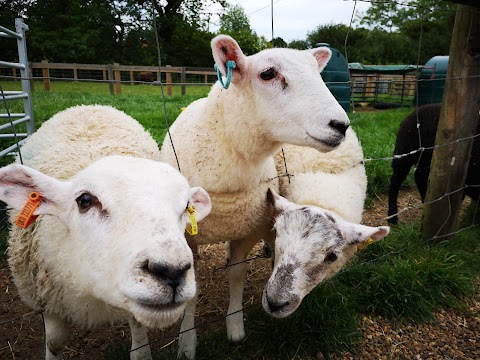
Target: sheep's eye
x,y
268,74
84,201
331,257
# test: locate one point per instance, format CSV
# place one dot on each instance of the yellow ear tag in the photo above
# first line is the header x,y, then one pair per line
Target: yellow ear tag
x,y
26,217
192,228
367,243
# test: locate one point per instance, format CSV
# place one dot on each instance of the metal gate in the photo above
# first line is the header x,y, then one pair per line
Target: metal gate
x,y
10,121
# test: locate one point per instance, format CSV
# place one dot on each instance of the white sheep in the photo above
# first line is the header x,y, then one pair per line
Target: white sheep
x,y
314,240
335,181
226,143
109,243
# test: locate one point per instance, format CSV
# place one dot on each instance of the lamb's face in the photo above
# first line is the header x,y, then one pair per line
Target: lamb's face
x,y
312,245
126,219
290,98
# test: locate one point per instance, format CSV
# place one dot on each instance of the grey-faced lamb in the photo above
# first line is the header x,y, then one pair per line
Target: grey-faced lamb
x,y
108,244
427,117
226,143
317,228
312,244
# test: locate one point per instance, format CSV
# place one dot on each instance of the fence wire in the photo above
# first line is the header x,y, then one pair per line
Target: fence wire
x,y
421,149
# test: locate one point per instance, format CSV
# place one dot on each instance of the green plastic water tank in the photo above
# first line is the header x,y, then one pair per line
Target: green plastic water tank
x,y
431,83
337,77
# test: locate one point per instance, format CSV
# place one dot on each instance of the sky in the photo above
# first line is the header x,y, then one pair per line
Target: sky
x,y
293,19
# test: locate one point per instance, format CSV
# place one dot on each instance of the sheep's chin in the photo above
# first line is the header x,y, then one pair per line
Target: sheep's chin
x,y
325,145
158,316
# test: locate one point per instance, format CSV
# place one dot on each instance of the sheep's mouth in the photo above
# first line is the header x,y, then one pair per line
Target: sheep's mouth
x,y
327,143
156,306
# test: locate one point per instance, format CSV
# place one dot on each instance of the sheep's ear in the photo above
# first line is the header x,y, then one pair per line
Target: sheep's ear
x,y
279,203
200,199
322,55
225,48
18,181
357,234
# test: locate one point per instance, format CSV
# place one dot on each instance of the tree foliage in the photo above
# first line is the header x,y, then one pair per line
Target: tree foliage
x,y
234,22
391,15
107,31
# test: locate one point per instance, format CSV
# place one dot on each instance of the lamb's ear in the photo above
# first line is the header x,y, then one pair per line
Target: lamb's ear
x,y
200,199
357,234
225,48
18,181
279,203
322,55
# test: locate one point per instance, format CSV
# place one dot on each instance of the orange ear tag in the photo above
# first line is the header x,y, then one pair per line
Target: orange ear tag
x,y
192,228
26,217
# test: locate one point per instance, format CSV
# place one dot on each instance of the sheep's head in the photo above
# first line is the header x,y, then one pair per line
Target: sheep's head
x,y
291,103
120,238
312,245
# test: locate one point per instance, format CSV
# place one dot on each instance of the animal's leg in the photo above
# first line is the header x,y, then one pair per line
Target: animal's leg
x,y
187,339
239,250
56,335
140,347
400,172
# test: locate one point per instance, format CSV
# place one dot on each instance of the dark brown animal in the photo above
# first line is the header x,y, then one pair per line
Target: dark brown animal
x,y
407,141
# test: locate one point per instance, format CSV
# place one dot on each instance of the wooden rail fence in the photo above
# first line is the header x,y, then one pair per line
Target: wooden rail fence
x,y
116,75
366,88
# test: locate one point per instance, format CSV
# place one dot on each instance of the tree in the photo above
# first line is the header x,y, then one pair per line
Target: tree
x,y
298,44
391,15
234,22
427,23
279,42
9,10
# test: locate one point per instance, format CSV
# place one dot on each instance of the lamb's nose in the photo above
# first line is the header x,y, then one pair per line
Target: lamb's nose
x,y
340,126
276,306
172,276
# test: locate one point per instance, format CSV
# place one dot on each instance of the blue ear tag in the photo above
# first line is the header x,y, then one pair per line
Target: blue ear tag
x,y
230,66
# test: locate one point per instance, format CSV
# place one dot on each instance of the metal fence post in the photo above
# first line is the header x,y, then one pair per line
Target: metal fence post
x,y
20,28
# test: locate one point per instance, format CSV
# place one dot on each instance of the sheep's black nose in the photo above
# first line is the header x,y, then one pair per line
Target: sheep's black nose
x,y
172,276
276,306
340,126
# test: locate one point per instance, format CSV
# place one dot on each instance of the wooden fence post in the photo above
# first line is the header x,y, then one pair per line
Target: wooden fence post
x,y
118,79
132,78
183,80
458,119
110,78
46,76
75,72
168,78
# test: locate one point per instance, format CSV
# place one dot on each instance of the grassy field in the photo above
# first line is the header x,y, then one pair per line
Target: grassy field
x,y
401,277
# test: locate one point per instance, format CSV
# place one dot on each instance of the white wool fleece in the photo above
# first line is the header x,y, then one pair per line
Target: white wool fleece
x,y
334,181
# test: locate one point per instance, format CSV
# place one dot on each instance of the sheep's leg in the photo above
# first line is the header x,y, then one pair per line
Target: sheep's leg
x,y
187,339
140,347
56,335
239,250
